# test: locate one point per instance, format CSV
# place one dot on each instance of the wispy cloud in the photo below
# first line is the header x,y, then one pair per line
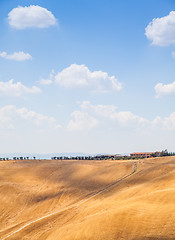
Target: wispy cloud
x,y
45,81
164,89
110,112
89,116
16,89
166,123
10,113
16,56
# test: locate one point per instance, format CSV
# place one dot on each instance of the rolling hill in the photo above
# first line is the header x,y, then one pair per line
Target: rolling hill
x,y
83,200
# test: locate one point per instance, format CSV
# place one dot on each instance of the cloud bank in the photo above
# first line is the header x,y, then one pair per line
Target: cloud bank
x,y
89,116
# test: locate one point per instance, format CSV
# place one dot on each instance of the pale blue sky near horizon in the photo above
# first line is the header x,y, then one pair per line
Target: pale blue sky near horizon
x,y
70,113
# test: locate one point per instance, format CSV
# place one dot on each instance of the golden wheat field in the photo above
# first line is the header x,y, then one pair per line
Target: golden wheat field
x,y
86,200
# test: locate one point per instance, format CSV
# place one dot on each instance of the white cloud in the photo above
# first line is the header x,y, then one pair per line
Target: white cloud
x,y
36,118
79,76
82,121
17,56
10,113
164,89
16,89
90,115
128,117
161,31
110,112
32,16
167,123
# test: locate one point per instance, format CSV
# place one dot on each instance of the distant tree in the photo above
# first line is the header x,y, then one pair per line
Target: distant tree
x,y
153,155
164,153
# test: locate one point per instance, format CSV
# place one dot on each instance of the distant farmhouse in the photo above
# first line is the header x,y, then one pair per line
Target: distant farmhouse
x,y
145,154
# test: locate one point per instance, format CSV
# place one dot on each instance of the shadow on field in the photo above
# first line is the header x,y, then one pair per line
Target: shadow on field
x,y
45,197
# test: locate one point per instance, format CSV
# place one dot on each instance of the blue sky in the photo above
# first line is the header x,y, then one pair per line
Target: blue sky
x,y
87,76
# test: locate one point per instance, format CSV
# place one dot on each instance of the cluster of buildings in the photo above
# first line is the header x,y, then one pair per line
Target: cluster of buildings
x,y
145,154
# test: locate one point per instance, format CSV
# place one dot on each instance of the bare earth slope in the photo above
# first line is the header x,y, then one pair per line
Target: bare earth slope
x,y
69,200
